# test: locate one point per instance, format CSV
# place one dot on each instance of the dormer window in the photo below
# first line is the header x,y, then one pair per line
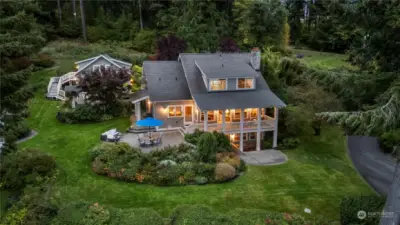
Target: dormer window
x,y
245,83
217,84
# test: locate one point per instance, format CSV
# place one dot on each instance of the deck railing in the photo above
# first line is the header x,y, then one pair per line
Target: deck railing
x,y
267,124
64,78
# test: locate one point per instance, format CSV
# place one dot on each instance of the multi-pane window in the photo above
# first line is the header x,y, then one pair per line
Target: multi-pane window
x,y
210,116
217,84
245,83
175,111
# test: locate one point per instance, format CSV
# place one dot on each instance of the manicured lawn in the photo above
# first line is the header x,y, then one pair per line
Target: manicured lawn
x,y
323,60
317,175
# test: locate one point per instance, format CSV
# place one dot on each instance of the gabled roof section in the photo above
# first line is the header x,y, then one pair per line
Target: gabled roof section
x,y
259,97
165,81
224,67
106,57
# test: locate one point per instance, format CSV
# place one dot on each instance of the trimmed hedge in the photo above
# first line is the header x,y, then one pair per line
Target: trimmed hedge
x,y
350,206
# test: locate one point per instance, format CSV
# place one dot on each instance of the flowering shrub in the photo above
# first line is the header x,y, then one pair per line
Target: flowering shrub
x,y
224,171
173,165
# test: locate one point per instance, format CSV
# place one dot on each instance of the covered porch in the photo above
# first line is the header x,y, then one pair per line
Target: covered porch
x,y
238,123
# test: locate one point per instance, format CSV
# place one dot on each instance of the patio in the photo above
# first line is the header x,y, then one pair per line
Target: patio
x,y
168,138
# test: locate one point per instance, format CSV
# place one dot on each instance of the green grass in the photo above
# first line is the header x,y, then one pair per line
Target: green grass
x,y
324,60
66,52
317,175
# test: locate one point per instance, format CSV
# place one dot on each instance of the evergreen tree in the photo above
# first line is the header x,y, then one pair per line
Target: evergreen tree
x,y
20,36
261,22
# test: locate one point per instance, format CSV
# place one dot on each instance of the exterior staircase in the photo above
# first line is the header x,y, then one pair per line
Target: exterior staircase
x,y
54,88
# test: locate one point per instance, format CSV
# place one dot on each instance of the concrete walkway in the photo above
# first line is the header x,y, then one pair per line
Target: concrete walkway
x,y
264,157
31,135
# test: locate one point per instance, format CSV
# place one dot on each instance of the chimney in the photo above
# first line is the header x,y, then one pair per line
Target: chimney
x,y
255,58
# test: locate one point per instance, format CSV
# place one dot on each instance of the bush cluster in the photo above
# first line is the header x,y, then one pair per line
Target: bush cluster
x,y
350,206
96,214
42,60
94,113
390,140
21,168
173,165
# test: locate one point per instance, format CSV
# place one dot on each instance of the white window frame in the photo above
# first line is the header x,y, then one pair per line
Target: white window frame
x,y
95,67
218,79
175,106
237,83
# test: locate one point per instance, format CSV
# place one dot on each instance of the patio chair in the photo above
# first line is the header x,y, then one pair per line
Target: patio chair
x,y
142,143
148,143
157,141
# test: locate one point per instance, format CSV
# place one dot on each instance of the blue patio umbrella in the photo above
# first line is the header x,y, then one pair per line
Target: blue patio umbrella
x,y
149,122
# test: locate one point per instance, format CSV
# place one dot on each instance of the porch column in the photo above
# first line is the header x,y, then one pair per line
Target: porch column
x,y
241,129
137,111
275,141
223,121
205,120
258,146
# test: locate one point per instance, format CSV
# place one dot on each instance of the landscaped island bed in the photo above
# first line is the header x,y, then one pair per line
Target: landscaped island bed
x,y
173,165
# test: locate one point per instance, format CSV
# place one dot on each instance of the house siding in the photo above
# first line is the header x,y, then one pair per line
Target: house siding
x,y
160,112
231,84
100,61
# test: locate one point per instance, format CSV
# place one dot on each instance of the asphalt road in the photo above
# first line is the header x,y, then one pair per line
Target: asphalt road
x,y
378,171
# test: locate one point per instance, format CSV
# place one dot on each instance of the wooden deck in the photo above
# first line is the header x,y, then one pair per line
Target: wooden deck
x,y
248,126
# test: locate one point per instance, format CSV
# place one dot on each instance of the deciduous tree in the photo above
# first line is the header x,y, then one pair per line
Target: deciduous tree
x,y
105,85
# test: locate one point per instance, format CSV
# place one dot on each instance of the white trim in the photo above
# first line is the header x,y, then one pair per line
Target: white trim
x,y
184,114
94,60
95,67
175,111
237,83
218,79
140,99
85,60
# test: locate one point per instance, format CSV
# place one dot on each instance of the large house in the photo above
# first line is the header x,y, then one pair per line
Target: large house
x,y
211,91
59,85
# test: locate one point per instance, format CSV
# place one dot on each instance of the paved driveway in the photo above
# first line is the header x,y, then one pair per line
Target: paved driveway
x,y
264,157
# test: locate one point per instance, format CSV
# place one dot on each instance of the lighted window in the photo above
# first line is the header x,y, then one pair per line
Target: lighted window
x,y
218,84
210,116
253,113
175,111
245,83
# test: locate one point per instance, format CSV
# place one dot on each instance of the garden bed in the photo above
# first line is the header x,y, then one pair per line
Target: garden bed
x,y
169,166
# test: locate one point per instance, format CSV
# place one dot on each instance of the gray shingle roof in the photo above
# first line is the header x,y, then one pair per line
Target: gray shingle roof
x,y
224,67
260,97
165,81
